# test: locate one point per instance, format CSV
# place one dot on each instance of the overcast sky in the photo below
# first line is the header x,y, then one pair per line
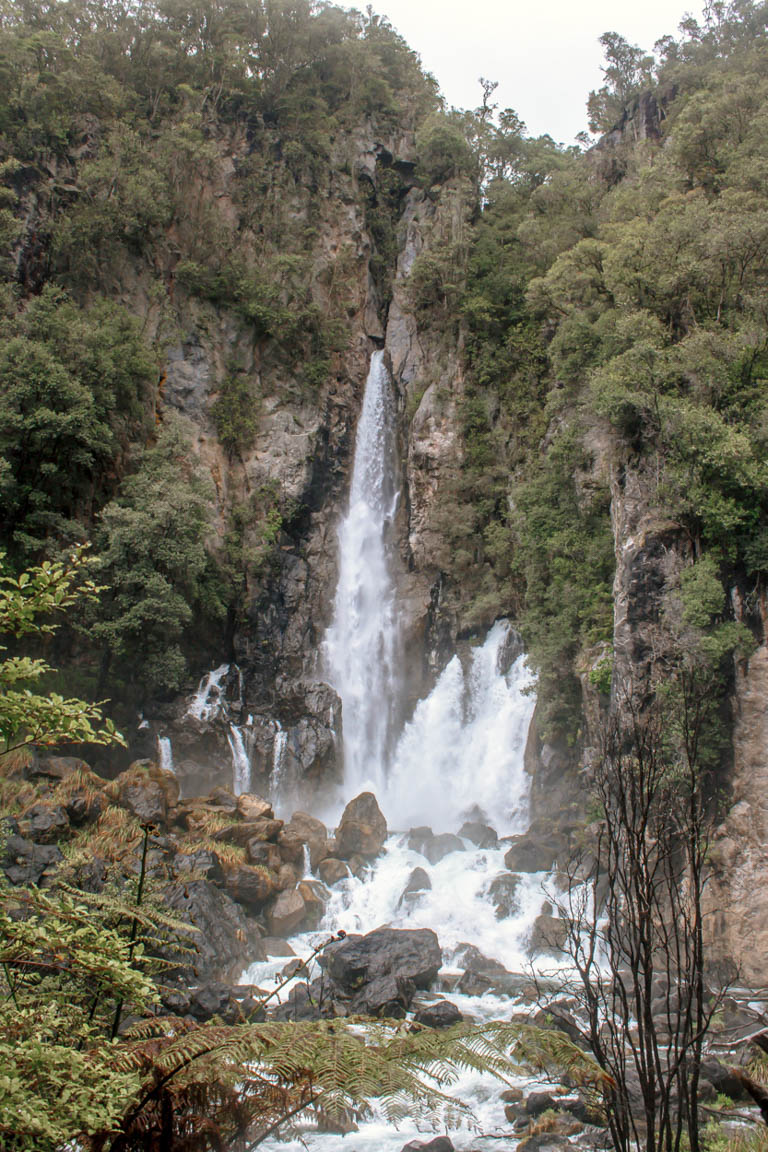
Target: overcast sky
x,y
545,56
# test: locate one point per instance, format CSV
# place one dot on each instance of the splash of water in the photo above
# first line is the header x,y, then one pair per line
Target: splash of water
x,y
465,745
238,741
361,648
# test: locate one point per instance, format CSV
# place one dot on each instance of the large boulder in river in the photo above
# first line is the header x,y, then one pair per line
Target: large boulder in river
x,y
362,830
412,954
434,847
287,913
311,832
373,975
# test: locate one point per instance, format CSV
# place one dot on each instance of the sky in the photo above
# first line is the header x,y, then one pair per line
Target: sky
x,y
545,56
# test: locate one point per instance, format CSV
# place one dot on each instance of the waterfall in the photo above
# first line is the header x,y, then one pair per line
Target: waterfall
x,y
165,753
278,758
209,698
361,644
464,747
241,760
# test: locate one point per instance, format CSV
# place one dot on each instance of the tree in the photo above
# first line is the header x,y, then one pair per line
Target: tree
x,y
152,554
27,717
627,70
634,916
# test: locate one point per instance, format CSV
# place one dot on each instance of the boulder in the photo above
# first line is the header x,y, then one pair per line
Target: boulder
x,y
503,894
332,871
273,946
434,847
412,954
544,1142
43,822
286,913
56,768
481,973
250,885
418,882
288,877
209,1000
251,807
549,935
25,862
480,834
443,845
84,806
225,941
203,862
538,1102
264,854
241,833
147,791
291,848
222,798
315,895
311,832
439,1144
442,1014
538,850
373,975
362,830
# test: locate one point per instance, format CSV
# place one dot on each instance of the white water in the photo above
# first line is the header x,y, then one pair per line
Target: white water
x,y
209,701
278,760
165,753
238,740
464,747
361,644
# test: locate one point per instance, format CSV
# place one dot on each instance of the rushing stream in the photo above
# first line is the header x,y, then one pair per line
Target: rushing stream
x,y
460,757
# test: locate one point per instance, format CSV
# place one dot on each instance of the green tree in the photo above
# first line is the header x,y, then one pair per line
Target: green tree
x,y
27,717
151,551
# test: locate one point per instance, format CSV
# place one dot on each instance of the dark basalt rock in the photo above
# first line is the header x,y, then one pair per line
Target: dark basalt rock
x,y
373,975
440,1015
225,941
482,835
84,807
481,973
25,862
538,850
434,847
413,954
251,886
418,882
44,822
503,894
206,863
439,1144
549,935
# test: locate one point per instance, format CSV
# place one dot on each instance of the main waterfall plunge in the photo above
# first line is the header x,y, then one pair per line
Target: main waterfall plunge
x,y
361,644
462,752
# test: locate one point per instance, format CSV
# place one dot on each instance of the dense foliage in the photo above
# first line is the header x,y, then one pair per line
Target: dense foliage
x,y
614,305
115,125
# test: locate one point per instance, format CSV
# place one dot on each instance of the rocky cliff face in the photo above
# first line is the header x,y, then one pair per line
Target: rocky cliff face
x,y
297,465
